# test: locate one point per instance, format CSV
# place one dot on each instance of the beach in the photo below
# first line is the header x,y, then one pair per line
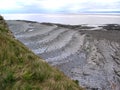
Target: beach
x,y
87,53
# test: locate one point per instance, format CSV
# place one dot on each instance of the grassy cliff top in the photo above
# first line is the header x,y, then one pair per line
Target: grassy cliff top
x,y
20,69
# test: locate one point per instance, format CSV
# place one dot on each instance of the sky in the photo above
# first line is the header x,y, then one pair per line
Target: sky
x,y
59,6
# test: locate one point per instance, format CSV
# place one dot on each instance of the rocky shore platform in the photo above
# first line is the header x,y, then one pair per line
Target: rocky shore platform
x,y
89,54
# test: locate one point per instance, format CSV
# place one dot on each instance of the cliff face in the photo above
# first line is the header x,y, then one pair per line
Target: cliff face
x,y
89,54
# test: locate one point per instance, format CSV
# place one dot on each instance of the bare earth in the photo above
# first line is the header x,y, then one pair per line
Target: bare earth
x,y
89,54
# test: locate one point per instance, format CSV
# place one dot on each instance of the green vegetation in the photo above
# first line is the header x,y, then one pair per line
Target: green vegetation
x,y
20,69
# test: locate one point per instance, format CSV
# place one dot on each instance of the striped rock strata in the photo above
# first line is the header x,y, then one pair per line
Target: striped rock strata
x,y
90,55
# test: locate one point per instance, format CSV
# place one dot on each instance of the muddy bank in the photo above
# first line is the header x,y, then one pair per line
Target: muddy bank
x,y
89,54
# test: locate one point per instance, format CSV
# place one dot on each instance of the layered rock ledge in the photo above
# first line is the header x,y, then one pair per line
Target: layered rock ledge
x,y
89,54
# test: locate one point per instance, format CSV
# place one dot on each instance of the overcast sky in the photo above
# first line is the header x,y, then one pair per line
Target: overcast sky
x,y
58,6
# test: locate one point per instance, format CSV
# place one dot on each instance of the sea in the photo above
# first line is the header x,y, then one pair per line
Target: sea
x,y
71,19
